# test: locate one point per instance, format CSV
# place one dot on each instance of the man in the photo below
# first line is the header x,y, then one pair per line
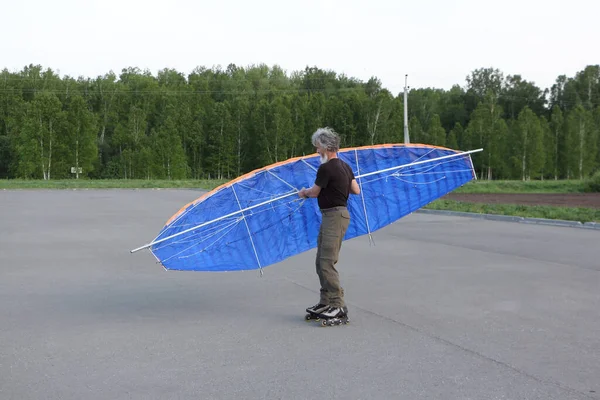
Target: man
x,y
333,184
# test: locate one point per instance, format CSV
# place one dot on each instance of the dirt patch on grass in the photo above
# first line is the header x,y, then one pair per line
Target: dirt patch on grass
x,y
586,200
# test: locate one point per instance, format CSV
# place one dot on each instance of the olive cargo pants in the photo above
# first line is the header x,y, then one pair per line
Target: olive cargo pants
x,y
333,228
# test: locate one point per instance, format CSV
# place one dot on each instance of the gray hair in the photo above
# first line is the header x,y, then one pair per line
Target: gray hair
x,y
326,138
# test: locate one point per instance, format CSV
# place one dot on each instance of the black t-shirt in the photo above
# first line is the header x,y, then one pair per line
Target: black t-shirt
x,y
334,178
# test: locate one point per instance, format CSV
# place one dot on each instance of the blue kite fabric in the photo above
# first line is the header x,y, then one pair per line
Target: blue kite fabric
x,y
258,219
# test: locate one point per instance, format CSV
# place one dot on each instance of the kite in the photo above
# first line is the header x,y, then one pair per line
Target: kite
x,y
259,220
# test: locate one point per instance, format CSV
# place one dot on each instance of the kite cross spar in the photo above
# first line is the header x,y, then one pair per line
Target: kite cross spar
x,y
258,220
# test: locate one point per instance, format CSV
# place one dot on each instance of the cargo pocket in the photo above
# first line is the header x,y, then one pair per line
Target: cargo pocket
x,y
329,240
344,222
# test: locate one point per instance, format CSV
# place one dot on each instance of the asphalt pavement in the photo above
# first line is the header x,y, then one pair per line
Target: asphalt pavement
x,y
441,307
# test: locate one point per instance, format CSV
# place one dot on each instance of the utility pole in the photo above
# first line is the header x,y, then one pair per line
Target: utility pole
x,y
406,138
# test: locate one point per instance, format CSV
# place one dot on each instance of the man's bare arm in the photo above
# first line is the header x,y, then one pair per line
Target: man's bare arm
x,y
354,188
312,192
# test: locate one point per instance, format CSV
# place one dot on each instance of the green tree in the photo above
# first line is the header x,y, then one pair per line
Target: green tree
x,y
547,148
396,122
518,93
42,128
169,154
556,141
581,143
487,129
455,137
597,133
587,85
281,129
80,135
436,132
379,107
482,83
220,141
528,153
12,110
415,131
453,109
423,104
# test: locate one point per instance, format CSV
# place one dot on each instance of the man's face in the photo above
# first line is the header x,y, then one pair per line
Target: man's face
x,y
323,154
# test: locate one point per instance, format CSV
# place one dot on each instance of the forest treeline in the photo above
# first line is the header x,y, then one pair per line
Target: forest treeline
x,y
220,123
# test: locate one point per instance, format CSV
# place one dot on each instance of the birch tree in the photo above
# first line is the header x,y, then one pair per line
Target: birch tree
x,y
80,136
43,124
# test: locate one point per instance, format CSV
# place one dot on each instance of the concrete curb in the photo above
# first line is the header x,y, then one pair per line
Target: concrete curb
x,y
510,218
592,225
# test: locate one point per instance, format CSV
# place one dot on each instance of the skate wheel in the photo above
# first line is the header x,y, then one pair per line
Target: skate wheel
x,y
307,317
324,323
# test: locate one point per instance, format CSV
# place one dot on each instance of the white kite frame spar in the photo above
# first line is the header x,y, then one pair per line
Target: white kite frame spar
x,y
241,211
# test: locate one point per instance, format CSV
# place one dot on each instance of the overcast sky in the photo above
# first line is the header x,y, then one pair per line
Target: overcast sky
x,y
436,42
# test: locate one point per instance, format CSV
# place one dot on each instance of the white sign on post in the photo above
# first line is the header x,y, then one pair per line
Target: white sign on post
x,y
75,170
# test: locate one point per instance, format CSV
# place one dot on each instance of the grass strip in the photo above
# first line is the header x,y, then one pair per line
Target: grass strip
x,y
549,212
548,186
205,184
